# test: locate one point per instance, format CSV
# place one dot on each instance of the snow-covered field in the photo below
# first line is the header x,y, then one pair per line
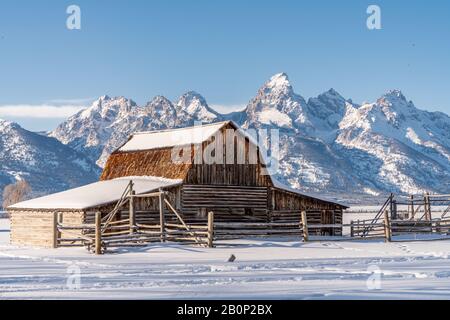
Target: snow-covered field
x,y
266,269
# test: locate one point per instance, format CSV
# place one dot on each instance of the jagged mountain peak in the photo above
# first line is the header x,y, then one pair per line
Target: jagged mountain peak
x,y
276,104
395,93
193,95
7,126
278,84
106,100
331,96
107,107
394,98
195,106
279,79
328,109
161,108
159,100
192,99
332,93
4,123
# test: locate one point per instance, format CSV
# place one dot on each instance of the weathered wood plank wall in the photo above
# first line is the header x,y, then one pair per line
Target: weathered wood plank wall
x,y
35,228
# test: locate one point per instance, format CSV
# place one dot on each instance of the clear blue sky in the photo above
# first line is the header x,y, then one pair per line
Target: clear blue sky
x,y
223,49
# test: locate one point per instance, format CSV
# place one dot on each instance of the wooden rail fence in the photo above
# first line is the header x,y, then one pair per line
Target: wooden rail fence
x,y
230,230
109,232
99,237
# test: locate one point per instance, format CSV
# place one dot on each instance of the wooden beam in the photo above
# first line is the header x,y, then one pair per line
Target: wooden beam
x,y
182,221
210,229
147,195
304,222
132,213
161,215
352,230
98,233
429,207
55,230
60,222
387,227
411,207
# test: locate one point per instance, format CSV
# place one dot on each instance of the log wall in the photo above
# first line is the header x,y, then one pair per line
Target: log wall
x,y
35,228
285,207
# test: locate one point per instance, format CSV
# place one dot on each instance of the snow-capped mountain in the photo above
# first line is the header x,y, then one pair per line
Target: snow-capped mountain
x,y
89,130
193,107
307,159
277,105
331,144
404,148
107,124
328,143
47,164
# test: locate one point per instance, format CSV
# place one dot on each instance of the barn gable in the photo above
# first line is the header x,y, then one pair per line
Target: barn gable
x,y
151,153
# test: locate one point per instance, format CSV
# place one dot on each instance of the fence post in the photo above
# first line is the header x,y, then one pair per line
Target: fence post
x,y
55,230
438,227
358,228
411,216
132,215
305,227
391,205
387,227
210,229
428,204
98,233
161,216
352,230
394,208
60,222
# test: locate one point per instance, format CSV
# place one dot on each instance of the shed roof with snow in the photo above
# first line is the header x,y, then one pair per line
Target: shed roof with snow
x,y
95,194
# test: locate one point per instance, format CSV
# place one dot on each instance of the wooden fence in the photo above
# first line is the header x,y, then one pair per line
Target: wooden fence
x,y
100,236
305,228
108,232
238,230
406,227
359,229
104,234
387,229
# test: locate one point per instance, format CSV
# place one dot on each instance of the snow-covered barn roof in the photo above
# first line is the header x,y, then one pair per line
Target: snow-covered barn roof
x,y
170,138
176,137
95,194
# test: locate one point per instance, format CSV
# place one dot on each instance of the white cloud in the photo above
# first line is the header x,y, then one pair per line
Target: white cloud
x,y
227,108
43,111
82,101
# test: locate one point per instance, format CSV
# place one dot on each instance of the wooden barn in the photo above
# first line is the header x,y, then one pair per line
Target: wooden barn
x,y
163,179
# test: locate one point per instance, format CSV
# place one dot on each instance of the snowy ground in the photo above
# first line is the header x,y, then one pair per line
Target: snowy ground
x,y
266,269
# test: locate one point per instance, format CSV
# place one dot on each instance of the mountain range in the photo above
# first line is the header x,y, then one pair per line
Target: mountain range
x,y
47,164
328,144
